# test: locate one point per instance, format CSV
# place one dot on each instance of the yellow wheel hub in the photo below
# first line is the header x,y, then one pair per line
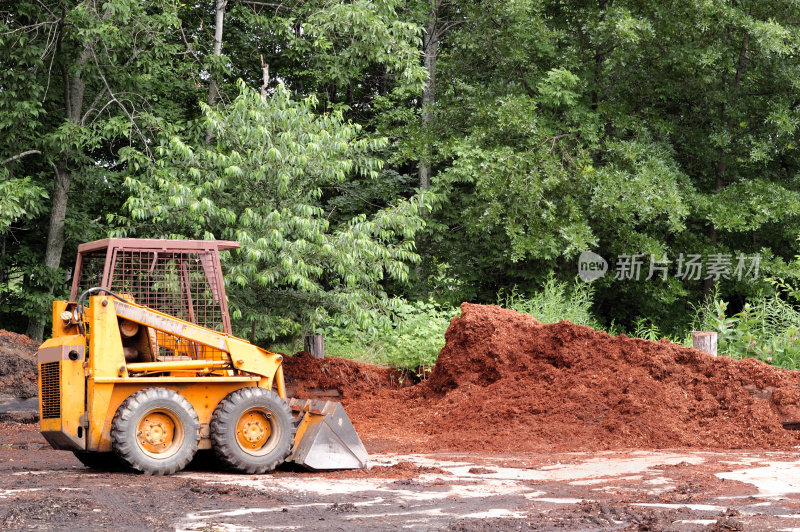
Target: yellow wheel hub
x,y
156,433
253,429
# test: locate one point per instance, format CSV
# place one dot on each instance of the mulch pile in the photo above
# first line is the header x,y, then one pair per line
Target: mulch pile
x,y
17,365
306,376
505,382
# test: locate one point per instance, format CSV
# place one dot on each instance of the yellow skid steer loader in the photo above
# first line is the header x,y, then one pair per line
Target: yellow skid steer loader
x,y
142,367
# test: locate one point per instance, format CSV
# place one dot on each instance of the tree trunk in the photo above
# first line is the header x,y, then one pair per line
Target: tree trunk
x,y
213,84
264,77
708,284
73,94
430,55
721,166
430,51
2,268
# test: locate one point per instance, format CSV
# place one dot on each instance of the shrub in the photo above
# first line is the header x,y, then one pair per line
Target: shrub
x,y
412,342
766,328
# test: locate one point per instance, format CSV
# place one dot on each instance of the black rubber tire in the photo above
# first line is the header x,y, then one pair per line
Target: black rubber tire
x,y
99,461
151,401
224,425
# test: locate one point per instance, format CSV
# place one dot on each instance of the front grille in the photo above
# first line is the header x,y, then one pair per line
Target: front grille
x,y
51,390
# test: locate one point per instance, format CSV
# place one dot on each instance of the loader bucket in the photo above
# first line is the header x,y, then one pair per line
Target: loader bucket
x,y
325,437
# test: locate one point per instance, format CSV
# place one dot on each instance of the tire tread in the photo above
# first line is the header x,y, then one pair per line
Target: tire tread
x,y
223,424
126,420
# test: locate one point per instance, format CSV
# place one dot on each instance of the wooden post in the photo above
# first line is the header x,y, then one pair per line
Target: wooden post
x,y
705,341
314,344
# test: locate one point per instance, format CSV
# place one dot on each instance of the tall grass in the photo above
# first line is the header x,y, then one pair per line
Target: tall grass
x,y
556,301
647,330
412,342
766,328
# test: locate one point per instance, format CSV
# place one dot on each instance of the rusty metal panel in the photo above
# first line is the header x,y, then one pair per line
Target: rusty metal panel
x,y
157,244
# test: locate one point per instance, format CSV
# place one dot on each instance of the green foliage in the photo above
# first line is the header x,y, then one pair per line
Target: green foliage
x,y
371,32
556,301
78,80
622,127
647,330
560,128
20,199
348,53
412,342
787,281
767,328
295,270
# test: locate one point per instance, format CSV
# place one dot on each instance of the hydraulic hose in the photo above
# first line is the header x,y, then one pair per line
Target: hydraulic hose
x,y
83,297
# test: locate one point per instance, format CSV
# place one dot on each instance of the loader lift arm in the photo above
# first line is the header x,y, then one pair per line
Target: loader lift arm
x,y
242,356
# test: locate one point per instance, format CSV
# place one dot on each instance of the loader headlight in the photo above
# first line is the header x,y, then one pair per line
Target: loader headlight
x,y
66,316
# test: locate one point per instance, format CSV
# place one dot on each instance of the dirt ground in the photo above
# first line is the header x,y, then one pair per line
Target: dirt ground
x,y
43,489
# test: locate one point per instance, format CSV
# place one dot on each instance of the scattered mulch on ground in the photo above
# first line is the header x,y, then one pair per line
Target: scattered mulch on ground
x,y
225,490
33,510
401,469
307,376
505,382
481,471
17,365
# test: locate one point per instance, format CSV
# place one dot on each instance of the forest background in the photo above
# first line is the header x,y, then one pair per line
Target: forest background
x,y
383,161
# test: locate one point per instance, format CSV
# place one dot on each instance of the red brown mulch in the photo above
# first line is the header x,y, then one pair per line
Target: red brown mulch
x,y
307,375
17,365
401,469
505,382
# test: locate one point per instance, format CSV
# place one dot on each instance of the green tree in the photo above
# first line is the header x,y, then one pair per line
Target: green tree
x,y
262,182
79,80
624,127
346,53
